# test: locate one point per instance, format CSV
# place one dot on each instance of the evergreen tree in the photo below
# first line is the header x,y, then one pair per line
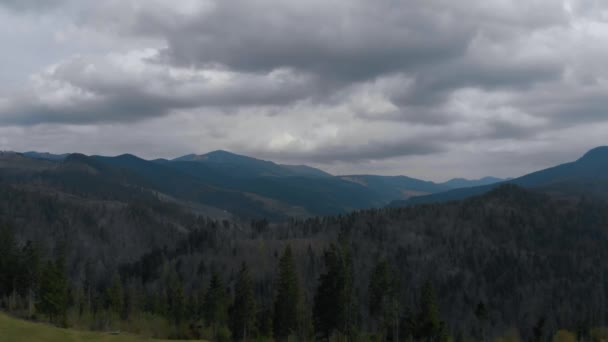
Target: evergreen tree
x,y
215,311
333,309
287,301
429,326
53,292
31,281
9,262
383,305
243,313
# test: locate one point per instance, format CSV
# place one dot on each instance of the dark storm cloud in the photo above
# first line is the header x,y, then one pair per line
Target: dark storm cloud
x,y
440,45
345,81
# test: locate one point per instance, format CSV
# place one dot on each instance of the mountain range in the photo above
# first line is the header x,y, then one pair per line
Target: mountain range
x,y
224,184
218,182
586,176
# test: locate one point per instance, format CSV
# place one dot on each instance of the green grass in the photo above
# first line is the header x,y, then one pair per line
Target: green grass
x,y
16,330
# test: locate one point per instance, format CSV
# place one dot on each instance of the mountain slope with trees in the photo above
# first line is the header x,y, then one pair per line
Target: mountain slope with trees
x,y
587,175
479,267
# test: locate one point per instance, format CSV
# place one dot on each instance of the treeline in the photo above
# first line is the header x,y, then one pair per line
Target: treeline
x,y
511,264
37,287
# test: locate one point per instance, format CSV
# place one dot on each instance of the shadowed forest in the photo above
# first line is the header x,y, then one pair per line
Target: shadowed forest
x,y
510,264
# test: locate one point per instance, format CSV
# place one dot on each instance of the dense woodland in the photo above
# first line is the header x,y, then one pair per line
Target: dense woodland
x,y
509,264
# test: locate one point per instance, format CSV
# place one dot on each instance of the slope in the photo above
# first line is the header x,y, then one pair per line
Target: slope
x,y
588,172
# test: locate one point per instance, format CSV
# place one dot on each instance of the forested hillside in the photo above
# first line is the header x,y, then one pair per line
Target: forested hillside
x,y
584,176
508,262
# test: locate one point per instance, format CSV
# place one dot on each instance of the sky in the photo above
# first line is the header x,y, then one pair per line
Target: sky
x,y
433,89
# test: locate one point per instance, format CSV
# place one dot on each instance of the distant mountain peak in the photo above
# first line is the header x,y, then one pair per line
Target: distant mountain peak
x,y
46,155
218,155
222,152
128,156
456,183
596,154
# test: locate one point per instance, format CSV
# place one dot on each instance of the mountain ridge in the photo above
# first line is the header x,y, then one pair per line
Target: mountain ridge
x,y
591,167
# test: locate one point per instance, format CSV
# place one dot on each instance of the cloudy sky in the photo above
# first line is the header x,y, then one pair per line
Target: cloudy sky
x,y
428,88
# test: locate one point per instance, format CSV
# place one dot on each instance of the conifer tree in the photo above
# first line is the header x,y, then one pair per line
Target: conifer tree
x,y
215,310
430,327
243,314
287,301
9,261
31,280
54,292
333,309
383,305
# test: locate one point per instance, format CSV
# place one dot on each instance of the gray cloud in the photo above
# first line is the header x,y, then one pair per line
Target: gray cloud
x,y
336,152
87,91
30,5
335,83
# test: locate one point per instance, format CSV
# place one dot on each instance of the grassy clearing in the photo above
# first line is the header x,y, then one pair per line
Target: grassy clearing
x,y
15,330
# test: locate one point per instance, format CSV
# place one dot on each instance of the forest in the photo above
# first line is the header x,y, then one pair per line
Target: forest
x,y
511,264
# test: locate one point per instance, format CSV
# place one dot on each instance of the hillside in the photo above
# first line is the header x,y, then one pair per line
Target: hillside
x,y
456,183
587,175
220,182
511,249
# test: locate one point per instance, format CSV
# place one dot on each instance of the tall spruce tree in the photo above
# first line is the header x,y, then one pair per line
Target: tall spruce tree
x,y
9,262
31,279
243,313
54,292
287,301
333,309
383,301
215,304
429,326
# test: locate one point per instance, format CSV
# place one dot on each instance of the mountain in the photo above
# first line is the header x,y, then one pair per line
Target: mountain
x,y
14,162
217,182
457,183
588,174
304,170
46,155
394,187
527,256
318,195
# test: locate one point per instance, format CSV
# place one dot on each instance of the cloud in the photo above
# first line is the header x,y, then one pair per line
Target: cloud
x,y
128,87
341,83
31,5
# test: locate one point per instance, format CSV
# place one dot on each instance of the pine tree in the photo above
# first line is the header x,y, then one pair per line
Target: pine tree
x,y
243,313
383,305
53,292
31,282
215,311
429,326
287,301
9,262
333,309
